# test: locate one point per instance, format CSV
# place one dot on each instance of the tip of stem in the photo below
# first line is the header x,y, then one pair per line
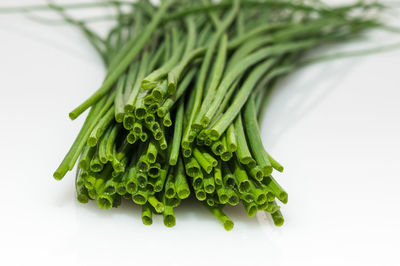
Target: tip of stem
x,y
278,221
226,156
161,111
169,220
164,146
139,199
233,200
214,134
184,193
252,210
128,108
232,147
228,225
244,186
171,88
59,174
82,198
73,115
205,121
92,141
283,197
172,161
209,169
104,202
223,198
170,193
200,195
261,199
121,190
267,170
209,189
187,152
119,117
140,112
147,220
159,207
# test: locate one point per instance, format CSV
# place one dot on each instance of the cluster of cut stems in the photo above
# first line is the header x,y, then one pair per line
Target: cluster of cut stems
x,y
178,113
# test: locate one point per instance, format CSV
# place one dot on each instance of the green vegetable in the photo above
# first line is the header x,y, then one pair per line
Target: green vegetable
x,y
178,112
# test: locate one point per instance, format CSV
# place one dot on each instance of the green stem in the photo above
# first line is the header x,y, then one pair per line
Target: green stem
x,y
176,141
220,215
124,58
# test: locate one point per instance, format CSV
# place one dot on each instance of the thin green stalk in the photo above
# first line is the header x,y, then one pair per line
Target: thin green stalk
x,y
147,214
191,39
176,140
133,96
181,185
251,208
150,80
111,141
132,76
220,215
169,102
247,62
227,176
209,157
254,138
209,183
86,157
157,205
121,186
240,99
215,76
141,196
160,181
204,163
188,135
279,192
233,198
231,138
222,194
200,194
80,141
243,151
218,174
101,127
103,145
152,152
167,122
84,5
124,58
170,189
277,218
242,180
192,167
169,216
81,191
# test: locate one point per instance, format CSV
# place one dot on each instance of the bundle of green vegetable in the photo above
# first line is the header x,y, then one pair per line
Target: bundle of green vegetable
x,y
177,115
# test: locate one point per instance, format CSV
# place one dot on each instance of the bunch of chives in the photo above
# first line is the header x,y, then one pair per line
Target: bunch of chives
x,y
177,115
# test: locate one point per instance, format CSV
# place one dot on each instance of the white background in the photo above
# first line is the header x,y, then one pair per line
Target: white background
x,y
335,126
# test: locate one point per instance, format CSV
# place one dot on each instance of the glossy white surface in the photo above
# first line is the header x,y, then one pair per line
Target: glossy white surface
x,y
335,127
